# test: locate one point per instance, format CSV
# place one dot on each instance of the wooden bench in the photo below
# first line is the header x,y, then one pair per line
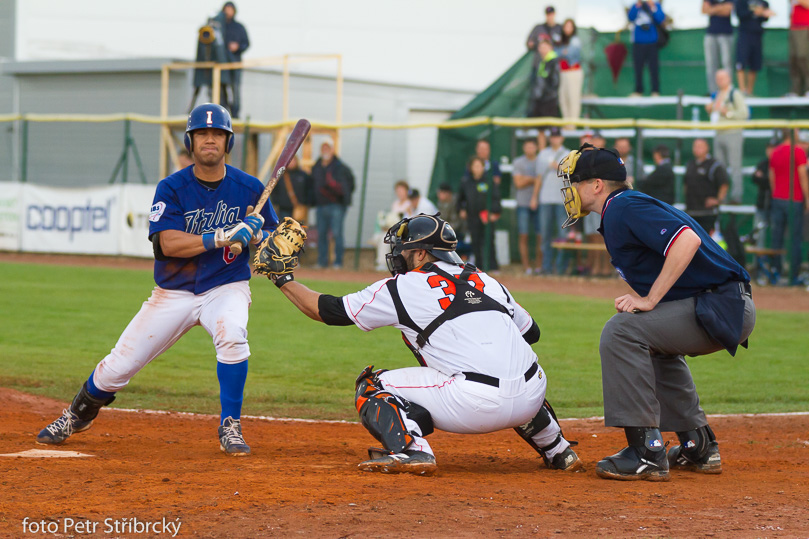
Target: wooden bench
x,y
570,246
763,251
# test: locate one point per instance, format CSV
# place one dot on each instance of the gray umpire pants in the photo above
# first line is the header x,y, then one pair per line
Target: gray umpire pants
x,y
646,380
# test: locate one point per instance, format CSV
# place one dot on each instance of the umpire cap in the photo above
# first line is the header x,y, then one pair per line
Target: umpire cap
x,y
598,163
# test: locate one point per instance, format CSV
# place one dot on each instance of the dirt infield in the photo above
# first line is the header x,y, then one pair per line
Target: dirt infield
x,y
302,481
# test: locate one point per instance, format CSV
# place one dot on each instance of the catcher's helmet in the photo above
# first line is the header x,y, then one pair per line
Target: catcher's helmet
x,y
428,232
209,115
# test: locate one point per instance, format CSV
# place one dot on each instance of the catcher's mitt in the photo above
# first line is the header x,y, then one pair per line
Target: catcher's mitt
x,y
278,254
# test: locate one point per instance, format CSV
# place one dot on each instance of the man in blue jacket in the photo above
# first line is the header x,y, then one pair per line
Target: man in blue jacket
x,y
646,16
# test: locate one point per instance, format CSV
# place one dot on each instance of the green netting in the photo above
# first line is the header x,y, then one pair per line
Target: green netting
x,y
682,68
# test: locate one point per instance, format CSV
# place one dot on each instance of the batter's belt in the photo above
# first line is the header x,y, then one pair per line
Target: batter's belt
x,y
492,381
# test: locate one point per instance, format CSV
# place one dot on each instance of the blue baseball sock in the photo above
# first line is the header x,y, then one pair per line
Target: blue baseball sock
x,y
94,391
231,388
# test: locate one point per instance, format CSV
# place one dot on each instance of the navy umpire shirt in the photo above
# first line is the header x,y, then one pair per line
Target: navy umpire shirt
x,y
639,231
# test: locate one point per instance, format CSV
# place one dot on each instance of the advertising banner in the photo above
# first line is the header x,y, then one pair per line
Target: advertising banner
x,y
64,220
136,201
10,208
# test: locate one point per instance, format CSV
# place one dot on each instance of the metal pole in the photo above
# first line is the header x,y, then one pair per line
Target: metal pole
x,y
125,155
363,190
790,217
245,138
678,151
24,151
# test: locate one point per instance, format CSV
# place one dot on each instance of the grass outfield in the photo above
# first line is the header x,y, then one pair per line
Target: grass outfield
x,y
58,322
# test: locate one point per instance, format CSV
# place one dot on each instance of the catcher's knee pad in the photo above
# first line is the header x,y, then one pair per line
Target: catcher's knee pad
x,y
383,413
85,406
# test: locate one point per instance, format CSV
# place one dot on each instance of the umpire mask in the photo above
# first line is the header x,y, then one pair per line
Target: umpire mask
x,y
428,232
586,163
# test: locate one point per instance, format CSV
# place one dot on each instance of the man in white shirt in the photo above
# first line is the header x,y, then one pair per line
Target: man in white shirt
x,y
551,208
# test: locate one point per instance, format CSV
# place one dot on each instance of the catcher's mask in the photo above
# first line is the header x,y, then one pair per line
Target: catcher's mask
x,y
428,232
586,163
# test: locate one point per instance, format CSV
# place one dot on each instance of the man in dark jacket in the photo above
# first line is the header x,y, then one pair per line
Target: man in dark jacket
x,y
544,97
479,204
706,186
237,42
660,183
294,190
333,183
761,177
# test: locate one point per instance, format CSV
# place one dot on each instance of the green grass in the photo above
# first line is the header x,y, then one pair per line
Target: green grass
x,y
58,322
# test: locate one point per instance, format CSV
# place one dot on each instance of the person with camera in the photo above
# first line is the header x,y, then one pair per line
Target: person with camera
x,y
647,16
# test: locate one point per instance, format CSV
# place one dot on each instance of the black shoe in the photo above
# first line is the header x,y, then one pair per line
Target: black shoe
x,y
643,459
697,452
60,430
410,461
567,461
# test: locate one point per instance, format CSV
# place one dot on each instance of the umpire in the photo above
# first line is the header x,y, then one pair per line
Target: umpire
x,y
689,298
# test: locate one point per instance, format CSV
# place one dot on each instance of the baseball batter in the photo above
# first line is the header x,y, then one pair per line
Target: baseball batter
x,y
689,298
478,371
198,213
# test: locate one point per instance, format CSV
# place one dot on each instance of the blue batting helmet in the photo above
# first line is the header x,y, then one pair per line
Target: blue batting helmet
x,y
209,115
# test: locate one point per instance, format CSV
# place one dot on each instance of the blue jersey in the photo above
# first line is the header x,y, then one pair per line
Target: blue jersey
x,y
639,231
182,203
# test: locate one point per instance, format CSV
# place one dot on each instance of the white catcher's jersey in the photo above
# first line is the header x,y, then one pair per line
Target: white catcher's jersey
x,y
485,342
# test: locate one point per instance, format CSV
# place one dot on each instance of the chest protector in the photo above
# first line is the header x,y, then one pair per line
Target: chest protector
x,y
468,299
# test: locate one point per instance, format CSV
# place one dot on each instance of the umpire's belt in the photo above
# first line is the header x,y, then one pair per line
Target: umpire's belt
x,y
492,381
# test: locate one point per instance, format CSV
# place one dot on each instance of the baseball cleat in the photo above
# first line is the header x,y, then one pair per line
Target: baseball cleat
x,y
567,461
231,441
709,463
630,464
61,429
413,462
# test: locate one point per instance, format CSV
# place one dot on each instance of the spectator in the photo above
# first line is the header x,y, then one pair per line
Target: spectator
x,y
294,194
544,96
571,76
660,182
749,44
420,204
548,30
237,42
728,105
761,177
718,40
646,15
526,184
184,158
386,219
624,148
479,205
551,208
483,150
705,184
448,207
402,205
786,203
334,184
799,47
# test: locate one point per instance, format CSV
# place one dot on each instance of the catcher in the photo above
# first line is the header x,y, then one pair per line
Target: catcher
x,y
478,371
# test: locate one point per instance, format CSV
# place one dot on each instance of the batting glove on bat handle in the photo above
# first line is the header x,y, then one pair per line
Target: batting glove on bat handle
x,y
215,240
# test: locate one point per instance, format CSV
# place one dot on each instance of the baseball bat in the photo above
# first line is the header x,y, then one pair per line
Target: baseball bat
x,y
294,142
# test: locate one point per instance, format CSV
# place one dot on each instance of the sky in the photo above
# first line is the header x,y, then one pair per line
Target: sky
x,y
457,44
